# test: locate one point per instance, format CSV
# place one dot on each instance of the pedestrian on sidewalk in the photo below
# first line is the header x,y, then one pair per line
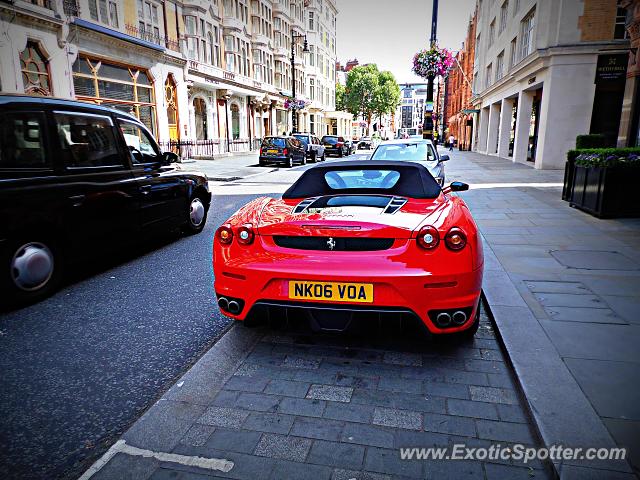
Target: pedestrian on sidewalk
x,y
452,139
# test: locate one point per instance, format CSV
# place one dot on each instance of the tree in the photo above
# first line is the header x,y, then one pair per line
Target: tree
x,y
340,97
370,92
386,97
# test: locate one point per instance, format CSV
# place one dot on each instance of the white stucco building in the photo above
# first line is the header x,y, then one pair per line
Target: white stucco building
x,y
534,81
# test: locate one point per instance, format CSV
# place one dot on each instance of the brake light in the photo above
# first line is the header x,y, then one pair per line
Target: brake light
x,y
245,234
428,237
339,144
455,239
225,234
285,152
261,150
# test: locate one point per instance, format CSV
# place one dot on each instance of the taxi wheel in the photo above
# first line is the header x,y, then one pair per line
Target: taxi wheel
x,y
31,269
196,215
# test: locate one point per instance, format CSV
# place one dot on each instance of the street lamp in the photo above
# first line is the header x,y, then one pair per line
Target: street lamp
x,y
294,37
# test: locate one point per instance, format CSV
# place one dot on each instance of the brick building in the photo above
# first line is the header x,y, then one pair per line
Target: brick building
x,y
458,110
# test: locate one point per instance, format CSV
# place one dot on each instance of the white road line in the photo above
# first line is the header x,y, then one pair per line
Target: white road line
x,y
121,447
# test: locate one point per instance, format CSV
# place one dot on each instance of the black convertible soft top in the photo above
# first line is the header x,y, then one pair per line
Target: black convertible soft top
x,y
415,180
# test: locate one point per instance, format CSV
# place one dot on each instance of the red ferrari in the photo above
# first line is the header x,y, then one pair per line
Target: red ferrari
x,y
355,236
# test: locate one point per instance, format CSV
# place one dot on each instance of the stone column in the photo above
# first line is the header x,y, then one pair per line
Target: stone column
x,y
494,119
505,127
523,119
483,126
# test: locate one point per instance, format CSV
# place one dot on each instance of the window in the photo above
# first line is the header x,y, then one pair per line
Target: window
x,y
526,34
620,32
488,77
311,22
148,21
499,65
516,7
492,32
35,70
348,179
514,52
142,147
477,50
87,141
126,88
22,143
504,11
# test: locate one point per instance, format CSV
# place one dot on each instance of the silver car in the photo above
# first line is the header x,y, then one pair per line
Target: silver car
x,y
413,150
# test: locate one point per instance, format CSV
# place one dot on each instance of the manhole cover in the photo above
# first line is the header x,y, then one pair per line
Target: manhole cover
x,y
594,260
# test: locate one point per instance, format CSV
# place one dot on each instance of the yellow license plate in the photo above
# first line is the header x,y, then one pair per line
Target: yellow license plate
x,y
272,151
332,291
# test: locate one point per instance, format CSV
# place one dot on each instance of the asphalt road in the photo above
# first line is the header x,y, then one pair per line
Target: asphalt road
x,y
81,366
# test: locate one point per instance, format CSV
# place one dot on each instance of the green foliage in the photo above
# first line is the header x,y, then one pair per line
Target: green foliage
x,y
605,157
369,92
593,140
340,97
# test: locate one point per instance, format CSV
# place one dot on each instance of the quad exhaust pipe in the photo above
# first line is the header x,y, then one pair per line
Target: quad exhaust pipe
x,y
443,319
229,305
459,317
233,307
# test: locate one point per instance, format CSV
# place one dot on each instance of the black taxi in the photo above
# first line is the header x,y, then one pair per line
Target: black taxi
x,y
73,174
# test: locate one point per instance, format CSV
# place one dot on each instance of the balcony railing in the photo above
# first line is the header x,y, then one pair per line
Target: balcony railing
x,y
187,149
152,37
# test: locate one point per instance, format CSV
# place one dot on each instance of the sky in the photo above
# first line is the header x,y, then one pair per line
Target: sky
x,y
389,32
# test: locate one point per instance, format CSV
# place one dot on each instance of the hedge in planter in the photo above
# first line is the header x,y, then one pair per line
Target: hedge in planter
x,y
605,181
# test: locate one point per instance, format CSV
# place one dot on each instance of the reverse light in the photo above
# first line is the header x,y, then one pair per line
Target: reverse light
x,y
428,237
225,234
455,239
245,234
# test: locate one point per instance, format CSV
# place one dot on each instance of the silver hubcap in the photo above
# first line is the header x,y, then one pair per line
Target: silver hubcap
x,y
196,212
32,266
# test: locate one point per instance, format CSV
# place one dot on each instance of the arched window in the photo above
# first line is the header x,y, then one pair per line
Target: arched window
x,y
235,121
171,100
35,70
200,112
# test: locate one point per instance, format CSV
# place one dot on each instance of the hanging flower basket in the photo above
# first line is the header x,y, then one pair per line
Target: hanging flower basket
x,y
291,104
433,62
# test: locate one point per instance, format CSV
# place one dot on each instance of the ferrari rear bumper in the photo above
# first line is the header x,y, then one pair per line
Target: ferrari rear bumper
x,y
396,289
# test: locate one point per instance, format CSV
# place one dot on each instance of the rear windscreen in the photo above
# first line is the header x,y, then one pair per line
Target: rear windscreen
x,y
273,142
331,140
405,151
303,139
370,179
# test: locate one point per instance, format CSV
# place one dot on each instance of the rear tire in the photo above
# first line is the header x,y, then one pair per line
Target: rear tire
x,y
323,157
196,215
31,269
314,157
304,160
289,162
340,153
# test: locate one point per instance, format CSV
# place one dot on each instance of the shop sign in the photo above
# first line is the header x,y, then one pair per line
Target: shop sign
x,y
611,68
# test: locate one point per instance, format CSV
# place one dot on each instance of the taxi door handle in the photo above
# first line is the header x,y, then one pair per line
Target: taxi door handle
x,y
145,189
77,200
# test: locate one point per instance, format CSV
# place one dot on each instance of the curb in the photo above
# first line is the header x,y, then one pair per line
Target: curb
x,y
561,413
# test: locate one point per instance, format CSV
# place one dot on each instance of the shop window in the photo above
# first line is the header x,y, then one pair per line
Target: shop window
x,y
200,113
21,141
235,121
126,88
35,70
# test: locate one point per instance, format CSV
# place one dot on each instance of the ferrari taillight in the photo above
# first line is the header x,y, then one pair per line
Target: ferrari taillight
x,y
455,239
428,237
245,234
225,234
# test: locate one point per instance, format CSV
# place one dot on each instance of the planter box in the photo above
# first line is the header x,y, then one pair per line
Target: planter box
x,y
569,172
606,192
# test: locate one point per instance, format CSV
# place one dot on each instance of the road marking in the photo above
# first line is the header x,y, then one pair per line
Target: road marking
x,y
121,447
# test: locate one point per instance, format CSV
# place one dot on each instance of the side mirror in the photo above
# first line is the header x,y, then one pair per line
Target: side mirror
x,y
444,158
169,157
459,186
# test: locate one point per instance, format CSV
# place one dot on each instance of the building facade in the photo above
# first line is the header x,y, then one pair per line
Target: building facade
x,y
545,72
458,111
216,73
410,114
629,135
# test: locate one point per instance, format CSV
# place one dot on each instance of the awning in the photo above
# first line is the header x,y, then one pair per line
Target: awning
x,y
116,34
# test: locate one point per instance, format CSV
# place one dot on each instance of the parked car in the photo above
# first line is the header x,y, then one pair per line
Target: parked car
x,y
413,150
314,149
351,146
73,174
365,143
335,145
282,149
354,237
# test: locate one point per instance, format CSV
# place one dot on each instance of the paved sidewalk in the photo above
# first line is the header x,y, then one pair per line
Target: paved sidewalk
x,y
564,288
228,168
288,404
